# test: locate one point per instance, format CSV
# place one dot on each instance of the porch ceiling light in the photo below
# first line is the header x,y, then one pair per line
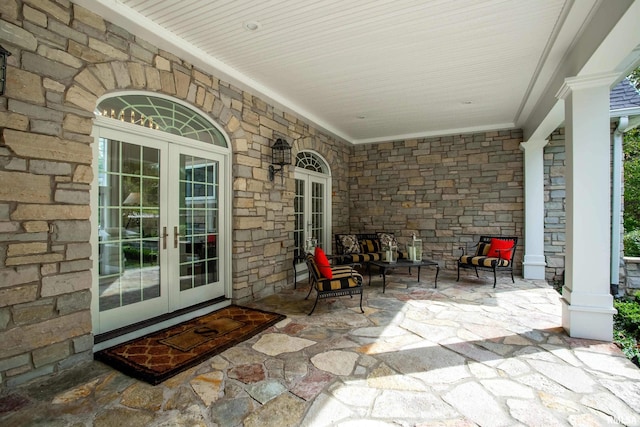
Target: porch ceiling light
x,y
280,156
3,69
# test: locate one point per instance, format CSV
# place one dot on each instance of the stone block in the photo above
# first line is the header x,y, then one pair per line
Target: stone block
x,y
78,265
24,187
14,362
72,197
76,301
82,344
18,295
53,353
33,312
65,283
87,17
17,36
33,259
25,86
78,251
162,64
34,111
36,212
19,249
167,82
109,51
136,72
47,67
25,338
45,127
44,167
82,98
58,55
13,121
31,145
18,276
153,78
72,231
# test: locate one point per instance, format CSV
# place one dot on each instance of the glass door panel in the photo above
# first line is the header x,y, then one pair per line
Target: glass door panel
x,y
129,224
197,233
198,222
317,212
298,214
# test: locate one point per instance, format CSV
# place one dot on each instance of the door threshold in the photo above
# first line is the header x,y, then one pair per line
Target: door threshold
x,y
136,330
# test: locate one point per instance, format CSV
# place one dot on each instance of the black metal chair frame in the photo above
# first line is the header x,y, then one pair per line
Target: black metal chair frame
x,y
321,294
496,266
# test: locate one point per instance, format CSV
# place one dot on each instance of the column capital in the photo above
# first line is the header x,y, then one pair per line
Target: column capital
x,y
585,82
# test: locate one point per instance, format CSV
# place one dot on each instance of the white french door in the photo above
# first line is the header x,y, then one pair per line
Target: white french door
x,y
160,227
312,208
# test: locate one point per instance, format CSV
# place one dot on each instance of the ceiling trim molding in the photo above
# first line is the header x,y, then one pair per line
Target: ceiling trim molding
x,y
437,133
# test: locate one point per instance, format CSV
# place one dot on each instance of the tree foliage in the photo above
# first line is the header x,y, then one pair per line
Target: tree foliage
x,y
635,78
631,150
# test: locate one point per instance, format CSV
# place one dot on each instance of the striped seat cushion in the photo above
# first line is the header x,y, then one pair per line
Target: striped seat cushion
x,y
342,279
483,261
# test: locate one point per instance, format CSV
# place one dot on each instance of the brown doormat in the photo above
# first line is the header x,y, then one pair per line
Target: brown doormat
x,y
161,355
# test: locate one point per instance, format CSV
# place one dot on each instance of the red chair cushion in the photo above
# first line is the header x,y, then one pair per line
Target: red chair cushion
x,y
503,246
323,263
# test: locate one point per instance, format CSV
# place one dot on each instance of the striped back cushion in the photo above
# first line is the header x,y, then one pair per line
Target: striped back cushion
x,y
368,246
483,249
311,263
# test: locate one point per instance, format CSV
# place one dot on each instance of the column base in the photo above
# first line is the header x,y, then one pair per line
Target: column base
x,y
594,323
534,267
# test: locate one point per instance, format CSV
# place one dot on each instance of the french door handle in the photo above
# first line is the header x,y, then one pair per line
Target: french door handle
x,y
164,237
175,237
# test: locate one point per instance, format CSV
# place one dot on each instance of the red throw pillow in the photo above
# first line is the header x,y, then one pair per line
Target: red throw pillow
x,y
323,263
504,246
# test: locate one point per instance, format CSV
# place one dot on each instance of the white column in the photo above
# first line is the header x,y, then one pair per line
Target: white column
x,y
534,261
587,304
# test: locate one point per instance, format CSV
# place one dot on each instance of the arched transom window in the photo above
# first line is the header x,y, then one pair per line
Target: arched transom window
x,y
161,114
310,161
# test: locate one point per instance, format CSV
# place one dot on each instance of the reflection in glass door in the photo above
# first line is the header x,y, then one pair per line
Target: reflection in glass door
x,y
129,224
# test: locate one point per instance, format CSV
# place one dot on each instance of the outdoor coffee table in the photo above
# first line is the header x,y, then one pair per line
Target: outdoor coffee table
x,y
384,265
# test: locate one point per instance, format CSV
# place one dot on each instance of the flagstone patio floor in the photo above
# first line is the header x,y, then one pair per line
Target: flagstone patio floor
x,y
463,354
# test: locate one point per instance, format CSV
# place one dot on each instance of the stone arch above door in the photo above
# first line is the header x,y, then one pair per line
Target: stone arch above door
x,y
196,88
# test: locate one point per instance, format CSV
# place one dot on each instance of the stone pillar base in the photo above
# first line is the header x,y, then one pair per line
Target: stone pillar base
x,y
594,323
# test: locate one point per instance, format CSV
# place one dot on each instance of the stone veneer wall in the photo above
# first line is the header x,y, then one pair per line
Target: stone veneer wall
x,y
448,190
63,59
554,209
554,219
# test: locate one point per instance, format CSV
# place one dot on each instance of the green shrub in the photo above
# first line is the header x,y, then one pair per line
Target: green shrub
x,y
626,330
632,243
628,317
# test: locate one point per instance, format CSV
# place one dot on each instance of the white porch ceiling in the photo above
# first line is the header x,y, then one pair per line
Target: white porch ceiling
x,y
374,70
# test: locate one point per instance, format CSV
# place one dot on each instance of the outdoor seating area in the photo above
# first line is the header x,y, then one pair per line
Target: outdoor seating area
x,y
458,354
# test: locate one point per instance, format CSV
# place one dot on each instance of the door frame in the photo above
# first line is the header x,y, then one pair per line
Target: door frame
x,y
301,173
225,248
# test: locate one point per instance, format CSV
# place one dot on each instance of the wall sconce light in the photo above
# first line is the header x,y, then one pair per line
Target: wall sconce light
x,y
280,156
3,69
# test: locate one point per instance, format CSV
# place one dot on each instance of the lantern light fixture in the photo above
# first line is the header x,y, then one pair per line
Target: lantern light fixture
x,y
4,53
280,156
